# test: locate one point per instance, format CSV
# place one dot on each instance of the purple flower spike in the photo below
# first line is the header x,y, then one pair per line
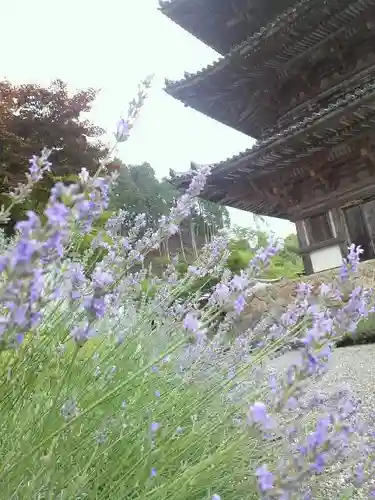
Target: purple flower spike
x,y
259,415
220,294
239,283
122,130
82,334
57,214
351,263
20,338
155,426
101,279
319,464
39,165
265,478
191,323
239,304
25,227
359,475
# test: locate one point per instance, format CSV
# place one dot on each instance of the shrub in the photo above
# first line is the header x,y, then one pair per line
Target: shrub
x,y
364,334
109,391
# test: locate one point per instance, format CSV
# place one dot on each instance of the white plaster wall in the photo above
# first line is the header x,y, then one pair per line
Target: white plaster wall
x,y
326,258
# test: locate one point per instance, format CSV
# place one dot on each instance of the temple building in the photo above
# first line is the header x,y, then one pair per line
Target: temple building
x,y
299,77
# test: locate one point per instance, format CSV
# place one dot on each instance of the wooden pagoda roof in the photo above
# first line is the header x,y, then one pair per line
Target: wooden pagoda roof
x,y
336,134
222,24
280,69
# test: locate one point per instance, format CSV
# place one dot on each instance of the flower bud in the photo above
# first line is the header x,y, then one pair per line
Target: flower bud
x,y
122,131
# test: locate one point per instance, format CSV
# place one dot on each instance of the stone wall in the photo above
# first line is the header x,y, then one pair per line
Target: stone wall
x,y
277,297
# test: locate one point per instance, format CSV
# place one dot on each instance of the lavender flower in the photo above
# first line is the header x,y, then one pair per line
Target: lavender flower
x,y
239,282
82,333
258,415
39,165
265,478
155,426
199,180
220,294
169,225
351,263
122,131
57,214
191,323
239,304
263,256
84,175
76,280
101,279
111,298
95,303
69,409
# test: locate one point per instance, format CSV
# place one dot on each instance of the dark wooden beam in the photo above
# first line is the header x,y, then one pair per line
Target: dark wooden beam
x,y
320,245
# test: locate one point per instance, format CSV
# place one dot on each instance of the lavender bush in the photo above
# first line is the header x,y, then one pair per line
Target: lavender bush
x,y
111,392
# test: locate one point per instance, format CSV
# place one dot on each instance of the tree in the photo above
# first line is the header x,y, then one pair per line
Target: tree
x,y
244,244
33,117
139,191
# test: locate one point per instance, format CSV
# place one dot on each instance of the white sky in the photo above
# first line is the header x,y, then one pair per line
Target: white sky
x,y
112,45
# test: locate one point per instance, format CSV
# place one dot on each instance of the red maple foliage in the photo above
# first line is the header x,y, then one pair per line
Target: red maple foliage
x,y
33,117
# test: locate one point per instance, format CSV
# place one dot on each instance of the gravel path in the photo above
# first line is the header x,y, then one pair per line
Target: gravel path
x,y
352,369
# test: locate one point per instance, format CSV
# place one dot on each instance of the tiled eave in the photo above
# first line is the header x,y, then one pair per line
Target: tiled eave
x,y
297,43
328,132
224,24
233,89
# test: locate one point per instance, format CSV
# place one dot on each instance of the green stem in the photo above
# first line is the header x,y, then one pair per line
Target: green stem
x,y
100,401
60,386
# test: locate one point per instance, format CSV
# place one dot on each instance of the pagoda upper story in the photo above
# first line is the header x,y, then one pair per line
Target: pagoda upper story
x,y
284,60
222,24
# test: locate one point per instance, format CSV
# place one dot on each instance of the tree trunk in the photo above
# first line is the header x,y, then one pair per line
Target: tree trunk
x,y
193,242
182,246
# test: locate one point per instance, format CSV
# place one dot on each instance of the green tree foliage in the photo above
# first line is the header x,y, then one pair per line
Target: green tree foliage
x,y
244,244
213,215
139,191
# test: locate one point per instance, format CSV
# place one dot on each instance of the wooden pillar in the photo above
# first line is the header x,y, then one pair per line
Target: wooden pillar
x,y
339,224
304,243
368,210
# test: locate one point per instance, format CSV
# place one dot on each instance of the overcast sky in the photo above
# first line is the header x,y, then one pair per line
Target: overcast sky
x,y
112,45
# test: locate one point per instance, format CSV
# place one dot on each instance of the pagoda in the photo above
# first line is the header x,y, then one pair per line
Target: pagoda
x,y
299,77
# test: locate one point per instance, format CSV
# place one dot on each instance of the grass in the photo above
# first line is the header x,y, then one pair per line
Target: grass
x,y
104,448
365,333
